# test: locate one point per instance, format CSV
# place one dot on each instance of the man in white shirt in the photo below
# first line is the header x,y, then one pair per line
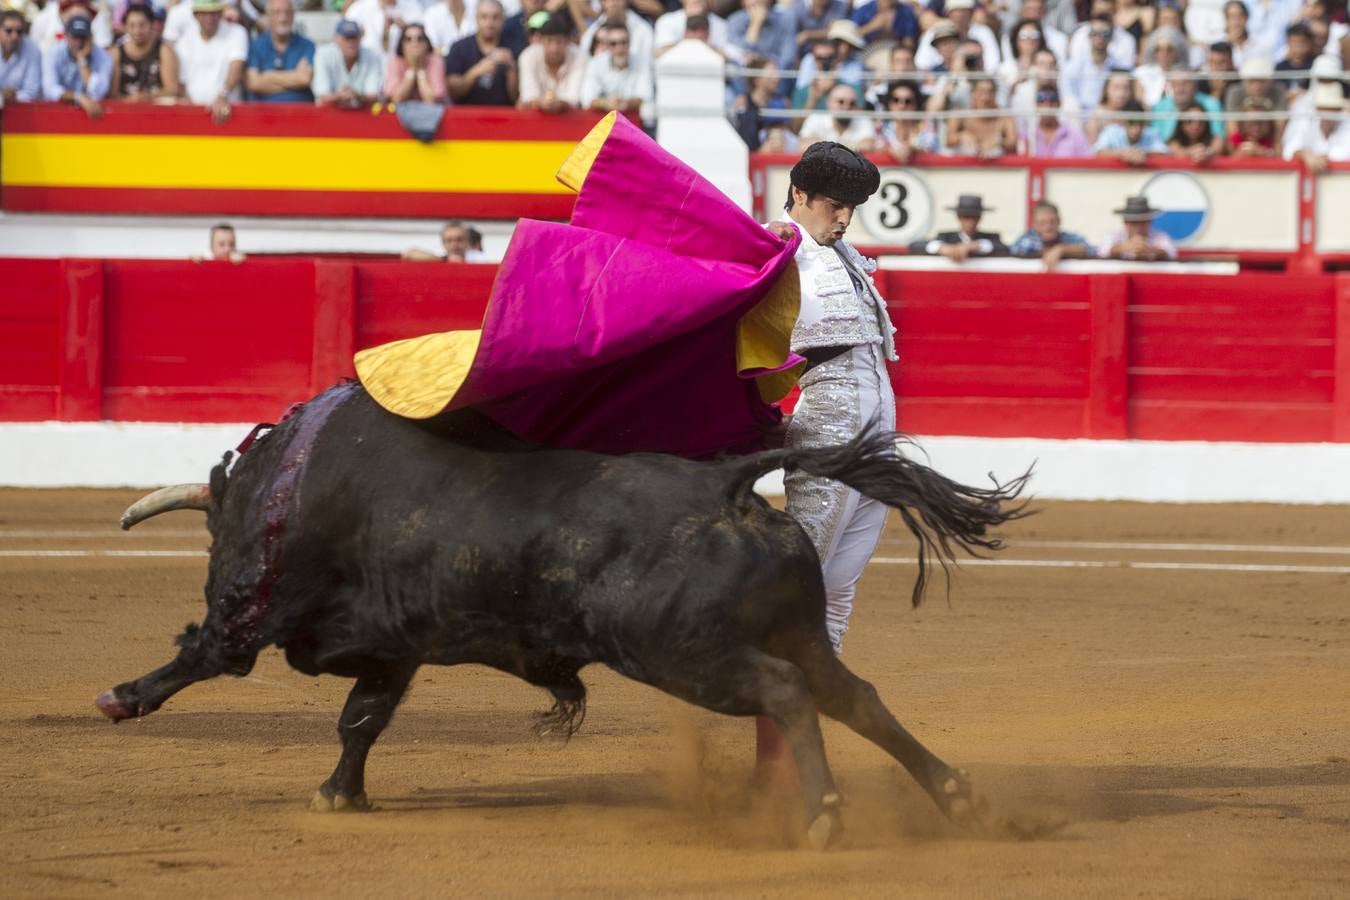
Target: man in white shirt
x,y
857,134
1122,51
382,22
614,79
959,14
641,37
1325,137
211,59
449,20
1084,75
551,68
347,75
178,21
670,28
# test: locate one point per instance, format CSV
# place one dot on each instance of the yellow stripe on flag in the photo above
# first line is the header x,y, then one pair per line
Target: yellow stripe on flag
x,y
261,163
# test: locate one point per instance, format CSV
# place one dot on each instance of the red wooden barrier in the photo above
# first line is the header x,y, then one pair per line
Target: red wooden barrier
x,y
1252,358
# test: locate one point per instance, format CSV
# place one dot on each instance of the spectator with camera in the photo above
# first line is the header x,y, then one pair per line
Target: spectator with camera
x,y
960,15
837,54
479,69
955,85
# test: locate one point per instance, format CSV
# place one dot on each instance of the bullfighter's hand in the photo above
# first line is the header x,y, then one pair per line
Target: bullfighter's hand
x,y
782,229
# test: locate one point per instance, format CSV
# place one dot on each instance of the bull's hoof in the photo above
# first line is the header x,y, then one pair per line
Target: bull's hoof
x,y
827,826
114,707
961,804
326,800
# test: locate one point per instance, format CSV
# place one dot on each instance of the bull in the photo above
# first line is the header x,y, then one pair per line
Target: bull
x,y
366,545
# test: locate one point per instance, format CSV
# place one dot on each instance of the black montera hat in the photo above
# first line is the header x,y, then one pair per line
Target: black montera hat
x,y
837,172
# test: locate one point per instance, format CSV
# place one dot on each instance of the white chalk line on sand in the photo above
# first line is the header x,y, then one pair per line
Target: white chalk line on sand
x,y
1202,548
58,554
112,532
1123,564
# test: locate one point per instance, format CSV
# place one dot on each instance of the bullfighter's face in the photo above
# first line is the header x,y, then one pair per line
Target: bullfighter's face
x,y
822,217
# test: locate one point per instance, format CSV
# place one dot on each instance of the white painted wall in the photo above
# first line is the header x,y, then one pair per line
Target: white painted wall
x,y
691,118
136,454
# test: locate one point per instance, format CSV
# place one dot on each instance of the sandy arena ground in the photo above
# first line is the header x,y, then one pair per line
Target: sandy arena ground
x,y
1190,727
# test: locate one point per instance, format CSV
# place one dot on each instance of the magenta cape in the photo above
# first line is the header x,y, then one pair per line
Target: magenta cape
x,y
657,319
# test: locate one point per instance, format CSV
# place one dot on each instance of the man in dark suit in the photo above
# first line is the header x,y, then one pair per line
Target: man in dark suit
x,y
969,241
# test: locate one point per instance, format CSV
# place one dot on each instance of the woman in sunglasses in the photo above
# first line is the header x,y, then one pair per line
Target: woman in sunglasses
x,y
416,72
903,137
1024,41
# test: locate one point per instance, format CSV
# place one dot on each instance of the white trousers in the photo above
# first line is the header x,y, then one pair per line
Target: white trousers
x,y
839,398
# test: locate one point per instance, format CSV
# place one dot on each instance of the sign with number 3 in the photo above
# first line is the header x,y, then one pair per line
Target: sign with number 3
x,y
901,210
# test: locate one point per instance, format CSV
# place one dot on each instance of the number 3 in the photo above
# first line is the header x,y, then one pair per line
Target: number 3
x,y
893,194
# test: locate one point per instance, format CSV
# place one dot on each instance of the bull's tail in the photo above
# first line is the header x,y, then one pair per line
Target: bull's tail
x,y
942,514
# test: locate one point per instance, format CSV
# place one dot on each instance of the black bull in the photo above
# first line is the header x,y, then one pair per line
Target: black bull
x,y
366,545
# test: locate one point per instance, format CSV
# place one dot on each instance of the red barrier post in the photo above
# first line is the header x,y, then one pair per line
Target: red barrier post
x,y
80,391
1340,398
334,323
1105,415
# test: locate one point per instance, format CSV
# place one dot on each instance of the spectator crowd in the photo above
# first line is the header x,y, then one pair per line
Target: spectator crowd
x,y
1138,239
1125,79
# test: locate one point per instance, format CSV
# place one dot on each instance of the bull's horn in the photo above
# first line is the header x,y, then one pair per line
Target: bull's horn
x,y
180,496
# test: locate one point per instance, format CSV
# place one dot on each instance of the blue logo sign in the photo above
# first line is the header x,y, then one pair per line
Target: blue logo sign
x,y
1184,204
